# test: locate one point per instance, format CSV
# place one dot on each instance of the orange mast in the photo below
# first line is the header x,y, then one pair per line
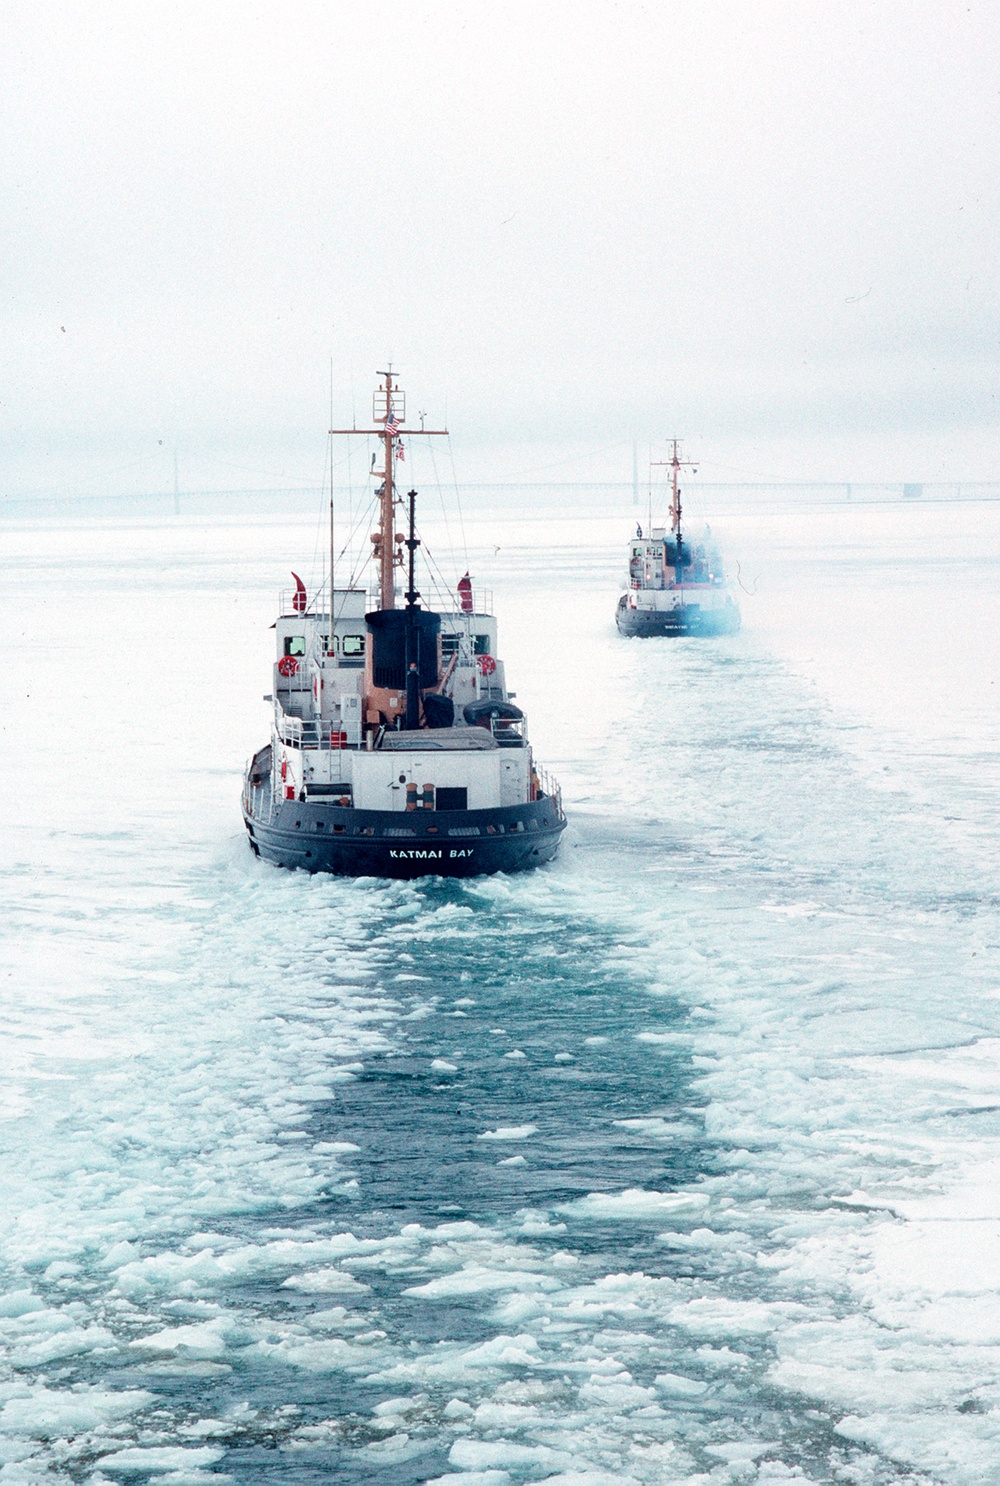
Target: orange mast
x,y
389,409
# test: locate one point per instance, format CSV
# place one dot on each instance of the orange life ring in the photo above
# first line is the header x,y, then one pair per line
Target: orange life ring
x,y
487,665
287,665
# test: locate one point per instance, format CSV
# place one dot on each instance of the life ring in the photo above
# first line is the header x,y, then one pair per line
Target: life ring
x,y
287,665
487,665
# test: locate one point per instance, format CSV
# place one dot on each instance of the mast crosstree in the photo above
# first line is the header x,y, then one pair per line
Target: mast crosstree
x,y
388,410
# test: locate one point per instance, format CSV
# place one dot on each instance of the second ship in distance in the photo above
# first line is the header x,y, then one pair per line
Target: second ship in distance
x,y
674,587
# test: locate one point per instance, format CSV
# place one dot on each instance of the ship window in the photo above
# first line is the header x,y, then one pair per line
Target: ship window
x,y
353,645
295,644
481,644
447,798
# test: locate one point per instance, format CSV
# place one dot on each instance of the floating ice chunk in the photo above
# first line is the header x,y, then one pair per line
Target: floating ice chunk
x,y
707,1238
476,1454
515,1054
119,1254
475,1279
206,1429
618,1392
722,1358
50,1414
634,1202
457,1408
679,1387
720,1316
535,1224
564,1058
73,1341
500,1413
333,1355
205,1341
513,1161
337,1318
452,1363
508,1132
334,1148
741,1452
397,1446
60,1269
326,1282
160,1457
405,1404
207,1270
441,1065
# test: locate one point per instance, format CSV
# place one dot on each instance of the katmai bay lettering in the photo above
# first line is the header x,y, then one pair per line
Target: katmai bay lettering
x,y
417,853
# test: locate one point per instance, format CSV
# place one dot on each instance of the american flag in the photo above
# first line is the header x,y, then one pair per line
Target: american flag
x,y
400,452
391,423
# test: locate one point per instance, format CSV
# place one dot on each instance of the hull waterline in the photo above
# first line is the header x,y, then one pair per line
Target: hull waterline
x,y
381,843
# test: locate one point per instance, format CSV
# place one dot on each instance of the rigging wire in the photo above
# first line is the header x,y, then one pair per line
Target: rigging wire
x,y
458,502
444,509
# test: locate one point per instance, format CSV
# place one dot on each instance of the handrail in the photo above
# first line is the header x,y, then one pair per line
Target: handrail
x,y
550,787
296,732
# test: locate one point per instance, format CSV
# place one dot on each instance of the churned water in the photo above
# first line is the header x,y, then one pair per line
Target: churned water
x,y
675,1162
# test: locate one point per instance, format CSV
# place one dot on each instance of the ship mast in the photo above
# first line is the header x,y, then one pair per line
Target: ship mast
x,y
388,409
675,464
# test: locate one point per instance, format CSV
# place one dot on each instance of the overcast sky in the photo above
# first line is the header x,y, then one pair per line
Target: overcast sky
x,y
768,226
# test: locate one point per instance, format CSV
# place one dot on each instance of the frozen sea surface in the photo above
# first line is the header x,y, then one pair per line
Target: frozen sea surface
x,y
676,1162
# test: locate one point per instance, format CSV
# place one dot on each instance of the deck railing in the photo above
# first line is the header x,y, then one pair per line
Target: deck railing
x,y
549,786
299,732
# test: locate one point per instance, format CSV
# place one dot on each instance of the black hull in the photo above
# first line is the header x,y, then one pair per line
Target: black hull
x,y
317,837
686,619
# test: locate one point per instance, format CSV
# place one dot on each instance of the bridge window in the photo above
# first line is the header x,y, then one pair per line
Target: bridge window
x,y
353,645
481,644
295,644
